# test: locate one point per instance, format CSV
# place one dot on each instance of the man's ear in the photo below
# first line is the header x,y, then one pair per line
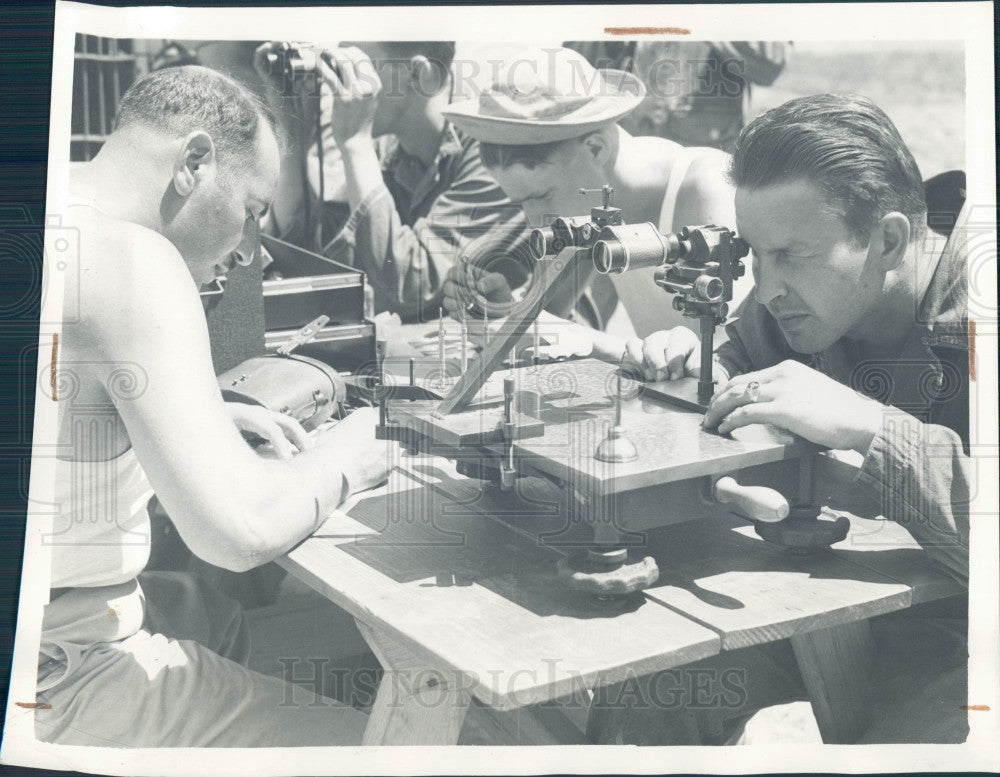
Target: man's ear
x,y
195,161
890,239
598,147
426,78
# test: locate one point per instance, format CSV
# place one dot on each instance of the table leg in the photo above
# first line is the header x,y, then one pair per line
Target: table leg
x,y
836,664
415,704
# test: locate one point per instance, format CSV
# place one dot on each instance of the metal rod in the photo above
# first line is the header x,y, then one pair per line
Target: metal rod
x,y
536,344
558,274
102,99
116,77
85,77
618,396
465,344
383,411
441,356
806,469
104,57
706,386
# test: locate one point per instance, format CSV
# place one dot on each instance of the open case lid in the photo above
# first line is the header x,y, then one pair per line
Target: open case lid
x,y
297,262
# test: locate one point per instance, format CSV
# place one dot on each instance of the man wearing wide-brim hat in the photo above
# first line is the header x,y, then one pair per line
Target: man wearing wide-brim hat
x,y
547,127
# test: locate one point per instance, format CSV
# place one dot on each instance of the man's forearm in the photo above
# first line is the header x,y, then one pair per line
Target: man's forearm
x,y
288,206
922,477
295,496
362,169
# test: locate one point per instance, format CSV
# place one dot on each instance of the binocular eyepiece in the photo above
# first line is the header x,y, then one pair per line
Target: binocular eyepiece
x,y
547,241
698,263
631,246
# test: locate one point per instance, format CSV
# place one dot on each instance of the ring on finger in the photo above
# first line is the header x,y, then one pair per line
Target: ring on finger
x,y
752,391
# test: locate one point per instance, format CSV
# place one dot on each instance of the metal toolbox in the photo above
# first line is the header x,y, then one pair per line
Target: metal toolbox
x,y
346,347
310,286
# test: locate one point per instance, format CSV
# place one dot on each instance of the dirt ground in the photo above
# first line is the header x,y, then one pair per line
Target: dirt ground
x,y
920,86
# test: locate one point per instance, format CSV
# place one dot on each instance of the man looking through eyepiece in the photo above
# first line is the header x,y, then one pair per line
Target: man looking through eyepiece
x,y
856,338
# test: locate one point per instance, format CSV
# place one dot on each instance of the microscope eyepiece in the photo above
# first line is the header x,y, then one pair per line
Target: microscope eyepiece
x,y
609,257
631,246
539,241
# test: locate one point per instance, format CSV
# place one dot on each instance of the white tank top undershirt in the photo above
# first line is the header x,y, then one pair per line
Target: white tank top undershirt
x,y
100,542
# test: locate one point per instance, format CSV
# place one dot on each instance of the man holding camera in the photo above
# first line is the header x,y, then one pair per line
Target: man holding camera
x,y
151,659
856,338
416,189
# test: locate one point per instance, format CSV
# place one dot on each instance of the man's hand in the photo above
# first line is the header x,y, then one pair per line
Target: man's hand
x,y
665,355
355,86
366,461
271,78
803,401
296,105
466,286
284,433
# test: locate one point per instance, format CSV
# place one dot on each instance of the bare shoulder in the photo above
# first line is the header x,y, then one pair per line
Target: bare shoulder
x,y
112,245
658,154
709,166
661,156
706,195
130,280
707,181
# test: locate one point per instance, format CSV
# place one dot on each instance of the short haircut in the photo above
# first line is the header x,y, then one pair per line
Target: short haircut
x,y
843,144
179,100
500,157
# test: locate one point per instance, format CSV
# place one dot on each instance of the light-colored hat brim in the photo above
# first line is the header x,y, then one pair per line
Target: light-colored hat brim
x,y
626,93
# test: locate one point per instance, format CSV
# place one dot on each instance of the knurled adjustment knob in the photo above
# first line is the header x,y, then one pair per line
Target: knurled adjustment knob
x,y
806,527
605,576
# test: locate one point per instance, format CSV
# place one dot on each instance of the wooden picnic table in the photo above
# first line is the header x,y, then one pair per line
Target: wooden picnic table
x,y
454,587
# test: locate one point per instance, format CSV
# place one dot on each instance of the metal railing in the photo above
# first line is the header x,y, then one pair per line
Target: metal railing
x,y
103,69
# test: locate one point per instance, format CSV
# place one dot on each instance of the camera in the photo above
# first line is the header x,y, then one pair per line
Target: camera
x,y
296,64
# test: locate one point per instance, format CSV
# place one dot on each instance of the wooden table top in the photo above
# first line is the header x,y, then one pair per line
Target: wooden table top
x,y
421,560
577,412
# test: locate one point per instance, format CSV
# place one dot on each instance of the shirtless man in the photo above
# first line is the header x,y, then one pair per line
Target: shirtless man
x,y
547,128
174,197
